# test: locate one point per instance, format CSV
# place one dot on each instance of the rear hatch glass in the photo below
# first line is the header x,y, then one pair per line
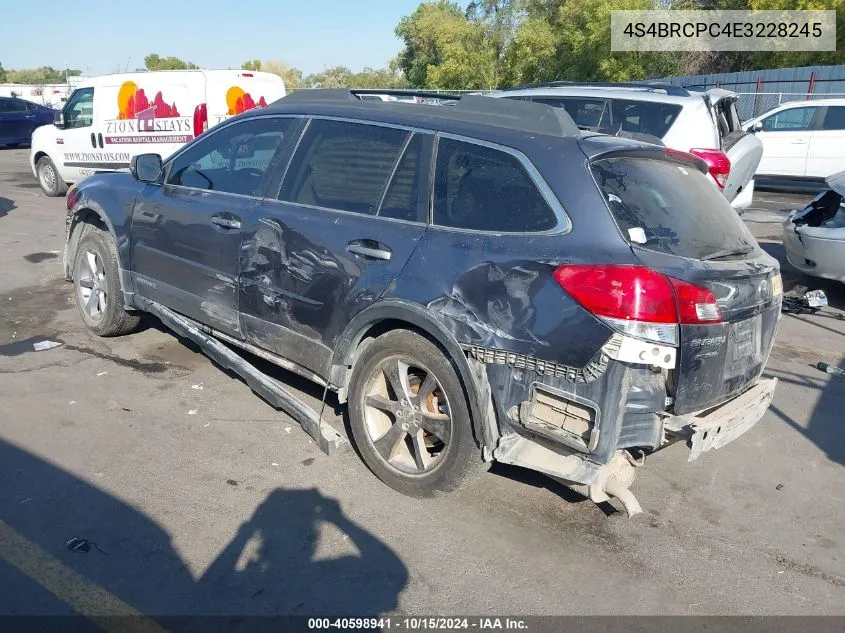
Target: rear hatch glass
x,y
652,118
678,224
673,206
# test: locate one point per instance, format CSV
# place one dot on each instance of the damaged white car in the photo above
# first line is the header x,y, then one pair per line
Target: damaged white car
x,y
814,237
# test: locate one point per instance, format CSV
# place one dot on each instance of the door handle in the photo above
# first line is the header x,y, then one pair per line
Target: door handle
x,y
369,249
93,140
30,116
226,223
100,140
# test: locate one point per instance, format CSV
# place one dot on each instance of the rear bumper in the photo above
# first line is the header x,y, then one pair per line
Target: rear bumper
x,y
814,256
721,426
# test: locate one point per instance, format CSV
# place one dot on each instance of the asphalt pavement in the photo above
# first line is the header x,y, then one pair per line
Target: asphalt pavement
x,y
190,495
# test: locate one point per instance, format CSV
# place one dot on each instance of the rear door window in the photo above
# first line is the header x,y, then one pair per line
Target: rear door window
x,y
791,120
644,117
670,207
834,118
587,113
343,165
486,189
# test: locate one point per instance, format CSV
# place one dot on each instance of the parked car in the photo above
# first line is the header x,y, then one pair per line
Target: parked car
x,y
803,143
18,119
814,237
109,119
476,282
705,124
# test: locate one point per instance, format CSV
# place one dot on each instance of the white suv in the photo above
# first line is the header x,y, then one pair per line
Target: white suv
x,y
803,142
704,123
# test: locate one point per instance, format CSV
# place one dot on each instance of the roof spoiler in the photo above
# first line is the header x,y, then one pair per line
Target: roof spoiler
x,y
669,89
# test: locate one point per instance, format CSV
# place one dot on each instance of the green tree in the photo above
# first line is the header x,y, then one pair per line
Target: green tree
x,y
155,62
40,76
2,74
253,64
443,49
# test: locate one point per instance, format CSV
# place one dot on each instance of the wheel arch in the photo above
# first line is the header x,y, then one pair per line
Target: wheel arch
x,y
389,315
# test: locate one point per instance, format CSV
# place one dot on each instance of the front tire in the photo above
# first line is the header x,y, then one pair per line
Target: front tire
x,y
49,179
409,417
96,285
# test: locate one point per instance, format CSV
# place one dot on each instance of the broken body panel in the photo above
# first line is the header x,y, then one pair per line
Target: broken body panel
x,y
550,385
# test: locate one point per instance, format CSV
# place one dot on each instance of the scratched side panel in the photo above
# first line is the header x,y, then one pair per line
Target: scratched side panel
x,y
497,291
300,286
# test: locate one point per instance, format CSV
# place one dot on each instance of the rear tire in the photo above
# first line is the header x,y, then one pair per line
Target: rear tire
x,y
49,179
409,417
96,282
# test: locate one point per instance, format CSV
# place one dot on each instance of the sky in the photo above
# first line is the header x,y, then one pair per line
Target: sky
x,y
101,37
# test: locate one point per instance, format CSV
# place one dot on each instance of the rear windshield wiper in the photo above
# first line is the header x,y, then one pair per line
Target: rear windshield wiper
x,y
728,252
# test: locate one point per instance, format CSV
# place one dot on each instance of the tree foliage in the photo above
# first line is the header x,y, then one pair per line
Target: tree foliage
x,y
155,62
2,74
252,64
496,43
39,76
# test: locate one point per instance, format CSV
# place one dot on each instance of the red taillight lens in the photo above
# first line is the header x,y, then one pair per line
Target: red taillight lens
x,y
72,198
200,119
620,292
695,304
718,164
637,293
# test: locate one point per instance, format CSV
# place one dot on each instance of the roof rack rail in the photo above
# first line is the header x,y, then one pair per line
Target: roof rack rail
x,y
669,89
518,115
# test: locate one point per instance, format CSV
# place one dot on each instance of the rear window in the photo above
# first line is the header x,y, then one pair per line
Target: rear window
x,y
670,208
638,117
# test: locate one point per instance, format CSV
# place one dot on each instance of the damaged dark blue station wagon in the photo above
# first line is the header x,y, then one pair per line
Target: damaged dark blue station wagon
x,y
476,282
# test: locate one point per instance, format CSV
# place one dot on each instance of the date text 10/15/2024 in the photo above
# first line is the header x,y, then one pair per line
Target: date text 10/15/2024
x,y
419,623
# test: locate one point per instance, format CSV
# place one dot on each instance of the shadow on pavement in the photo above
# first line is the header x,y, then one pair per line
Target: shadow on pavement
x,y
6,205
279,562
792,277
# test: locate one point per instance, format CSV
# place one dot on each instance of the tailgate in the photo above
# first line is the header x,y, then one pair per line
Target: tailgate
x,y
744,150
720,360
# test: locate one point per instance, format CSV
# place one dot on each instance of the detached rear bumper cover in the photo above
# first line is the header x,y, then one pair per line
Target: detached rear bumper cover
x,y
723,425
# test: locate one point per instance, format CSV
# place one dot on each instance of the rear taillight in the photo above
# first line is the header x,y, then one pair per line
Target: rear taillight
x,y
718,164
72,198
639,301
200,119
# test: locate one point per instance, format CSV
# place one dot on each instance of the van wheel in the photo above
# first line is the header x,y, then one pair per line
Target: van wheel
x,y
409,417
49,179
97,286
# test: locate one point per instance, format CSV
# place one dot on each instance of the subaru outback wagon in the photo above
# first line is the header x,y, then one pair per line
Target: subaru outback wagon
x,y
481,282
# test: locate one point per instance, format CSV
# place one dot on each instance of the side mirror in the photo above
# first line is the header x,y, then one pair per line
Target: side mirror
x,y
146,167
756,127
59,119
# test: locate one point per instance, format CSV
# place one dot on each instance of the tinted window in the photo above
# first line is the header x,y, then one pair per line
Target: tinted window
x,y
12,105
486,189
405,198
233,160
588,113
644,117
79,110
675,206
792,119
344,166
835,118
31,106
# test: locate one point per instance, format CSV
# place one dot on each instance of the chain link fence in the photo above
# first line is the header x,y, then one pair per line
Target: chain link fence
x,y
752,104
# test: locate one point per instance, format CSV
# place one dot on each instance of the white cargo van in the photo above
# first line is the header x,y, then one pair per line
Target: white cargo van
x,y
109,119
